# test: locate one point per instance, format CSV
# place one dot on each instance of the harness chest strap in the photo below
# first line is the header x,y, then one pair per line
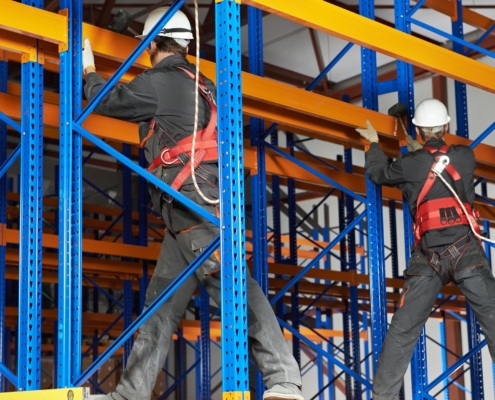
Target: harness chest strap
x,y
206,147
440,213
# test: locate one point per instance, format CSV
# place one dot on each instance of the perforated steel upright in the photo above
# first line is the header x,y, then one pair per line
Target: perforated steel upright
x,y
476,369
374,205
29,341
258,179
235,374
3,220
64,347
76,264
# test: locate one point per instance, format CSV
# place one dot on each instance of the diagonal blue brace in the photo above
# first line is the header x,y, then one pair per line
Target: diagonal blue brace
x,y
454,367
157,303
9,161
9,375
319,350
149,176
312,85
323,177
481,137
127,63
317,259
10,121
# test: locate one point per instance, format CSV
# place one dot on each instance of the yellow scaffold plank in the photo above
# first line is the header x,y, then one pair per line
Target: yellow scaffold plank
x,y
34,22
355,28
53,394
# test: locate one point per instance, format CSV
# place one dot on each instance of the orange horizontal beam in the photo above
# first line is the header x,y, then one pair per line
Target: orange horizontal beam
x,y
149,252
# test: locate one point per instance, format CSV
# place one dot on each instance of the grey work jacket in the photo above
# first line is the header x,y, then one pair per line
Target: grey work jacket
x,y
164,93
409,173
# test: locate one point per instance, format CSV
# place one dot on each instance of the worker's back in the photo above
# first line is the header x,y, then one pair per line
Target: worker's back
x,y
410,172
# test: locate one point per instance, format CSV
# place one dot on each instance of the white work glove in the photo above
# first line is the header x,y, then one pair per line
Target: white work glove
x,y
413,144
369,134
88,59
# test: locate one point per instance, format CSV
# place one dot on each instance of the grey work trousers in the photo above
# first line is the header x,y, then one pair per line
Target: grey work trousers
x,y
269,348
464,263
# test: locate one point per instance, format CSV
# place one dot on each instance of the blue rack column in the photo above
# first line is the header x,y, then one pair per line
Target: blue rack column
x,y
376,263
29,343
235,373
258,178
3,224
476,370
63,331
76,23
353,290
128,239
405,85
345,314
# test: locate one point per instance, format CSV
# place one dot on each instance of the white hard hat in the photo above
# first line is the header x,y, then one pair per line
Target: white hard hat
x,y
431,113
178,27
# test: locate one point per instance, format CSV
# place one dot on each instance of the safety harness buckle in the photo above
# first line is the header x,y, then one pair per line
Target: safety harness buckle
x,y
442,162
163,154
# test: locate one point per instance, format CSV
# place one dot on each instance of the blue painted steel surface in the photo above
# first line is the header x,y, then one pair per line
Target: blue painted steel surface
x,y
205,382
455,366
316,173
149,311
258,181
393,238
482,136
387,86
353,290
7,162
235,373
455,39
31,189
460,88
3,219
318,350
76,272
476,367
443,343
317,259
65,170
315,82
128,306
10,121
180,365
143,199
374,205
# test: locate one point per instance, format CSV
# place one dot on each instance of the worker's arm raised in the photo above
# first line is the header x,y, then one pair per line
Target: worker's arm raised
x,y
135,101
380,171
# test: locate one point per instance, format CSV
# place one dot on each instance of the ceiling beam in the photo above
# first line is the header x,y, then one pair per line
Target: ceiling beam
x,y
105,14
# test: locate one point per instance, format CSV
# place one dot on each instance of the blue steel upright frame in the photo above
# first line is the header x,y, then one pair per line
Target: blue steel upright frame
x,y
3,222
258,179
376,263
235,373
29,344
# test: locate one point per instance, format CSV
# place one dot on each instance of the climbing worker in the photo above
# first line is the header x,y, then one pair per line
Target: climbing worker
x,y
162,100
437,180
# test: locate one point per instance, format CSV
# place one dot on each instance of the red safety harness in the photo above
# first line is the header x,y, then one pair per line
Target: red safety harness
x,y
175,153
445,212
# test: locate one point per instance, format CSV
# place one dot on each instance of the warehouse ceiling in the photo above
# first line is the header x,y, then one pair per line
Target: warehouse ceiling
x,y
293,53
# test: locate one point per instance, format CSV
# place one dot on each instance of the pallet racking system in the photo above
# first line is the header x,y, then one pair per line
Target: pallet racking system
x,y
47,239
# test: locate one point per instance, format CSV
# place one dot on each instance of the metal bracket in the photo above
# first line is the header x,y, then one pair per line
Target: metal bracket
x,y
64,46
